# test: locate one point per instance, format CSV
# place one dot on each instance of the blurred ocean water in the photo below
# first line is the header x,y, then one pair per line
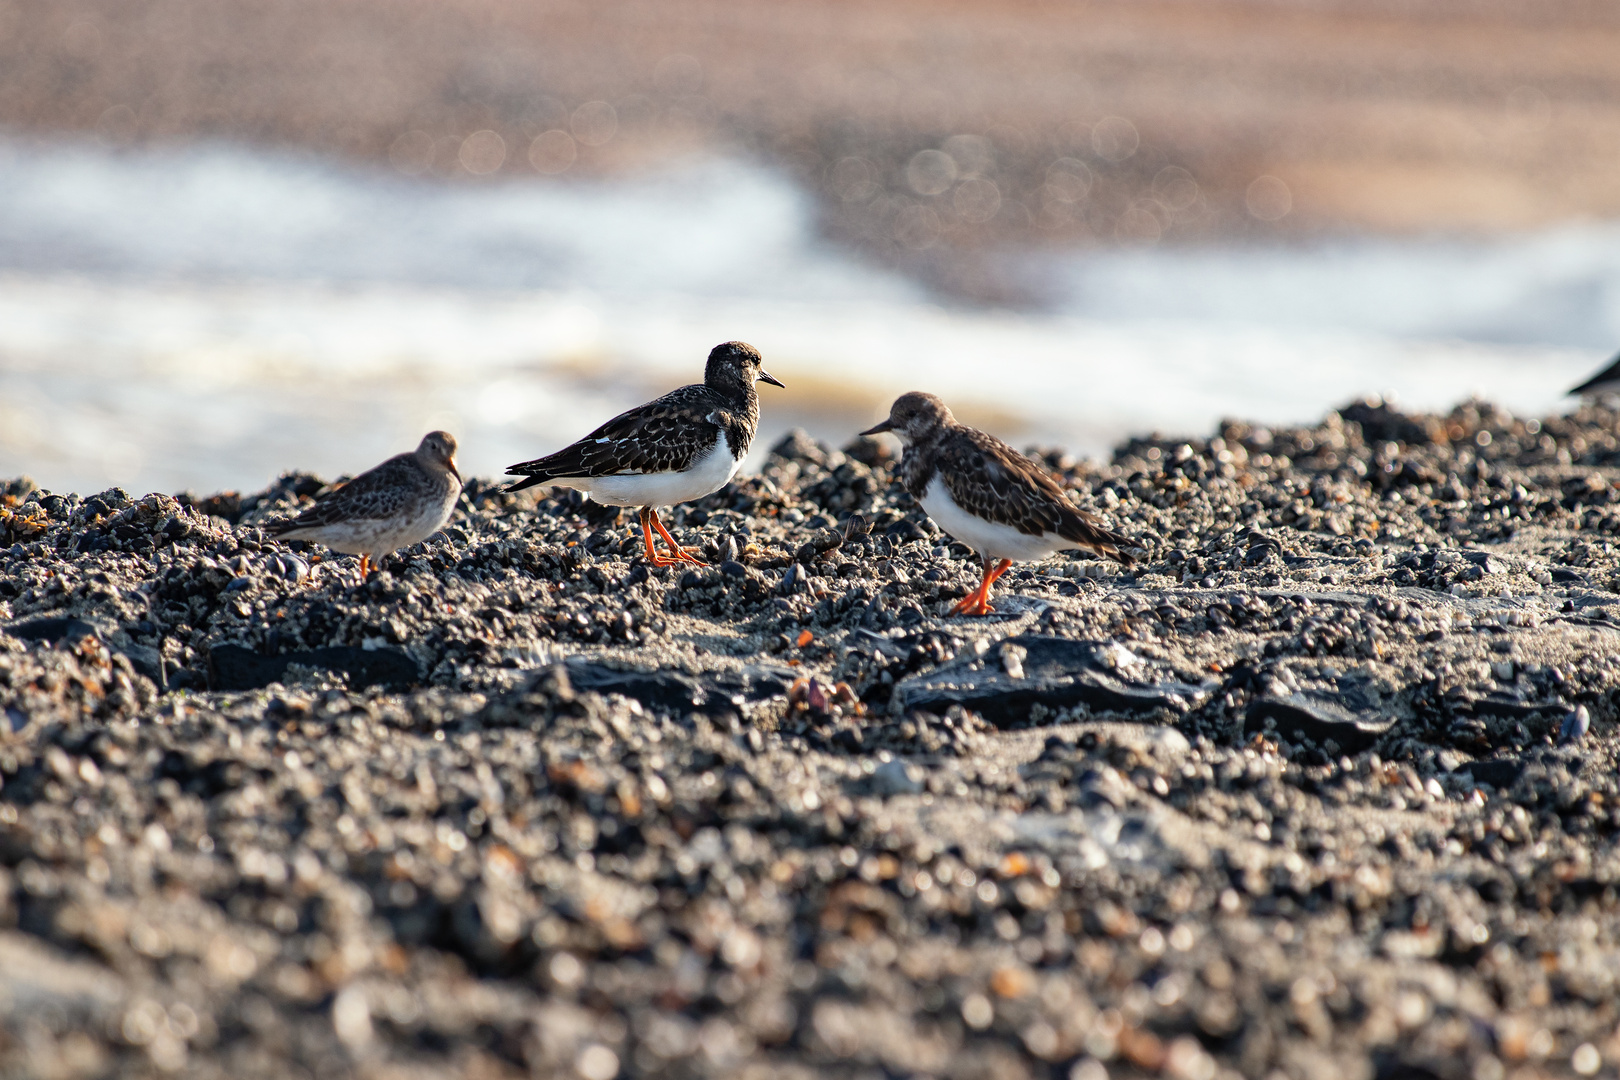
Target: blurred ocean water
x,y
206,317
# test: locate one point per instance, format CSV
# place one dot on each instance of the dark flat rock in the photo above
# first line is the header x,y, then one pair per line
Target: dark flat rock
x,y
232,667
1546,767
1500,704
149,662
52,629
63,629
681,692
1344,717
671,690
1497,772
1350,709
1058,673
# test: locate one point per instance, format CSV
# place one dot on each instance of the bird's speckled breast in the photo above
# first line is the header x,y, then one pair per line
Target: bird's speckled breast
x,y
918,465
740,426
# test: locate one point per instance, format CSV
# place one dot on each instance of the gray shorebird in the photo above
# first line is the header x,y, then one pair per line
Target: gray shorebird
x,y
682,446
401,502
987,495
1606,381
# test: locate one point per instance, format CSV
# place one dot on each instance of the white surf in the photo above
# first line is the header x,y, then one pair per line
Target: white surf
x,y
208,317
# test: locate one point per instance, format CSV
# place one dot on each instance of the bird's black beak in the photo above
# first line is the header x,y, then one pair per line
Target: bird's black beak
x,y
765,376
879,428
455,472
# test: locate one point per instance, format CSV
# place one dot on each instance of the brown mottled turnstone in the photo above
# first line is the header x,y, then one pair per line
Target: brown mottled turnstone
x,y
401,502
683,446
987,495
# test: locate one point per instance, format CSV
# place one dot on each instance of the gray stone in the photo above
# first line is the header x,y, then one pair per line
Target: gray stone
x,y
1345,716
896,777
1058,673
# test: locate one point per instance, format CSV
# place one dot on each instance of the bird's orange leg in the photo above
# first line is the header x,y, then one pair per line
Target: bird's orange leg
x,y
365,566
647,518
970,604
977,602
681,554
995,575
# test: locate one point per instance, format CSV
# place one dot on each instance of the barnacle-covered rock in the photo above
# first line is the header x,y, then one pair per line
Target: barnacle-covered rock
x,y
519,803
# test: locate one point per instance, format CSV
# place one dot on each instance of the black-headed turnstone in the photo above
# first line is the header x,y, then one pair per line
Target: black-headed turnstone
x,y
683,446
401,502
1606,381
987,495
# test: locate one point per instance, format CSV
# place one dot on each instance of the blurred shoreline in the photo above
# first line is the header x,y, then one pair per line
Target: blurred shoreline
x,y
930,135
228,230
208,316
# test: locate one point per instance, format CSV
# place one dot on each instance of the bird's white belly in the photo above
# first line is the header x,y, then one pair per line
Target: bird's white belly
x,y
708,474
986,537
380,536
433,517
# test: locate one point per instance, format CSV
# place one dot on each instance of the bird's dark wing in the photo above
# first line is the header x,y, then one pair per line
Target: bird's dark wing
x,y
665,435
375,494
1607,379
991,480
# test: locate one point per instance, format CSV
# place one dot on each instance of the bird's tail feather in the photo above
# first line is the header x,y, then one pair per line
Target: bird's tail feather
x,y
1103,541
529,482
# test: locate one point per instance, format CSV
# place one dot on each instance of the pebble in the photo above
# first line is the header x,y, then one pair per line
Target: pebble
x,y
1575,725
897,778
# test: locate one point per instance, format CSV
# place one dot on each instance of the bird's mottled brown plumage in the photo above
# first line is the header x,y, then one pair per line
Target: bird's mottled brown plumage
x,y
664,435
401,502
667,434
685,445
989,479
987,495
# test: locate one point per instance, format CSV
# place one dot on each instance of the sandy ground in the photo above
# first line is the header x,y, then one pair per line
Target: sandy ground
x,y
1072,122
